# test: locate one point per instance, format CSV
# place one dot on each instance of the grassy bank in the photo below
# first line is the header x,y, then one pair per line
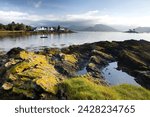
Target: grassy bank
x,y
7,33
84,89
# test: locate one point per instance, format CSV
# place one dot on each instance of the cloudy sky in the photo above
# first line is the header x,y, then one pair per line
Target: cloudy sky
x,y
112,12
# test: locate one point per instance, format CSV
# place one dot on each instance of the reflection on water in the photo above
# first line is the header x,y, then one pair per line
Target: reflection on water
x,y
82,71
63,40
116,77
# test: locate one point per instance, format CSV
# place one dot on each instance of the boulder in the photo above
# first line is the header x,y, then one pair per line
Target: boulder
x,y
14,51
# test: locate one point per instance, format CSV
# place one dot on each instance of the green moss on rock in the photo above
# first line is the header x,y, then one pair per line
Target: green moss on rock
x,y
27,93
70,58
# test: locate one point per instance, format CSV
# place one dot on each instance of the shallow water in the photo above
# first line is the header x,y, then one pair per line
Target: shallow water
x,y
117,77
82,71
64,40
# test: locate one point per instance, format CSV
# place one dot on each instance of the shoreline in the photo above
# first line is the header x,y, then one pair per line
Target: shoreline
x,y
46,73
20,33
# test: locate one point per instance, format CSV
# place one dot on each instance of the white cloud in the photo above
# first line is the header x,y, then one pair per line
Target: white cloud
x,y
93,16
8,16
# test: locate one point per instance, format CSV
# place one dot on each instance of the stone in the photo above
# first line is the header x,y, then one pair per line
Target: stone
x,y
102,54
7,86
14,51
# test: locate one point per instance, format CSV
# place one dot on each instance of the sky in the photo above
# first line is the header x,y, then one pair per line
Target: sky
x,y
76,12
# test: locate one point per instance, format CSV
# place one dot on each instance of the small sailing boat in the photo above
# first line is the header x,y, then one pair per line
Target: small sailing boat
x,y
44,36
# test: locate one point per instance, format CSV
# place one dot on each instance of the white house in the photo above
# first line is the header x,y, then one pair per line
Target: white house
x,y
42,28
51,29
62,29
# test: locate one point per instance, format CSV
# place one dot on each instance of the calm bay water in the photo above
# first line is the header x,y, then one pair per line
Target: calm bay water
x,y
63,40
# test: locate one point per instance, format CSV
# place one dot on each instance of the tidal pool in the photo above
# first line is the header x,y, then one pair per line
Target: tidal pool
x,y
117,77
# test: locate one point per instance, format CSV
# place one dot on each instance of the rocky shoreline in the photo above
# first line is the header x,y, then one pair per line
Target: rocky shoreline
x,y
46,74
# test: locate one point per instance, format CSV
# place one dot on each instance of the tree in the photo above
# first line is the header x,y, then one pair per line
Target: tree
x,y
58,28
29,28
2,27
15,27
11,26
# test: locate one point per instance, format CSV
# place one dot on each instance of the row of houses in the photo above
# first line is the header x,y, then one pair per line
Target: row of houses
x,y
52,29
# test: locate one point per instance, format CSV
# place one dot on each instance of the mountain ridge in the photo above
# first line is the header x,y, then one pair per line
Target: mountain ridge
x,y
97,27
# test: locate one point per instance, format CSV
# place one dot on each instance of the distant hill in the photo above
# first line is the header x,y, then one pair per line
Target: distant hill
x,y
101,28
143,29
98,28
77,28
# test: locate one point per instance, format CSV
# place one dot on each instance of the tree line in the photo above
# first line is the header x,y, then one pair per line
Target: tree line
x,y
15,27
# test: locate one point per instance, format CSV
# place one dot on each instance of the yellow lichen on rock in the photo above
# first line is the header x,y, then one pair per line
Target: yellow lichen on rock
x,y
12,77
48,84
91,65
70,58
31,60
25,55
33,68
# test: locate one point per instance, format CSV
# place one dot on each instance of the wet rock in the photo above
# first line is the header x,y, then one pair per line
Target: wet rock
x,y
91,67
51,51
98,60
132,60
143,78
67,64
102,54
94,70
66,68
95,59
61,95
14,51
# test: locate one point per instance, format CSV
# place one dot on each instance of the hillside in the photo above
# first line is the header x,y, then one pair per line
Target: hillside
x,y
98,27
101,28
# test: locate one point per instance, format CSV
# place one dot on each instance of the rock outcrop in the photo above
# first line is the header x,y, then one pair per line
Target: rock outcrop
x,y
28,74
38,75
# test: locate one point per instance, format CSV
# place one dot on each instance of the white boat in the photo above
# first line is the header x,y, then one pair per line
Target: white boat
x,y
44,36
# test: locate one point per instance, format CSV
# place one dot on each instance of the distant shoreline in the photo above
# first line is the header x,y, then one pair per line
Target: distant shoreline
x,y
9,33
